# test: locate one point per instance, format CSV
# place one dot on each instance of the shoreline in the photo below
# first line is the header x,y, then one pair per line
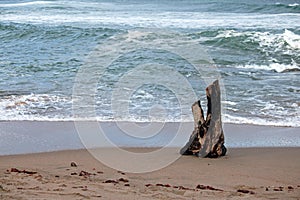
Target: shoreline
x,y
244,173
22,137
138,122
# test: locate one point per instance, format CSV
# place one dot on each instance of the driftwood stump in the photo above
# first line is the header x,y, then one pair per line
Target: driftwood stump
x,y
207,139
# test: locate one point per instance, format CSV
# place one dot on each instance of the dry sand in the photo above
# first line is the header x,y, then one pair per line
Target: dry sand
x,y
253,173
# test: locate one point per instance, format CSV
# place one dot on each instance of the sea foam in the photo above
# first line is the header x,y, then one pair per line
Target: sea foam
x,y
271,67
30,3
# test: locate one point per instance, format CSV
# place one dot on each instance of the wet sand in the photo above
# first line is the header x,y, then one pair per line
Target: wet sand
x,y
20,137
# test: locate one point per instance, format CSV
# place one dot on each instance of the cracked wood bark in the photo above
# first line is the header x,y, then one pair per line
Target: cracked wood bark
x,y
207,139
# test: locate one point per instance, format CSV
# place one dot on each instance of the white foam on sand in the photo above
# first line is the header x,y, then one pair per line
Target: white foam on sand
x,y
291,122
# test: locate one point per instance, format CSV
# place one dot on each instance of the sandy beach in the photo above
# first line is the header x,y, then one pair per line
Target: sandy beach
x,y
96,96
244,173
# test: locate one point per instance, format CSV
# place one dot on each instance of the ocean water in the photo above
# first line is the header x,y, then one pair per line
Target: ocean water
x,y
253,46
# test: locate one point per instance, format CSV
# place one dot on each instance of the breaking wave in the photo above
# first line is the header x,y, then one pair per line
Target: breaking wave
x,y
30,3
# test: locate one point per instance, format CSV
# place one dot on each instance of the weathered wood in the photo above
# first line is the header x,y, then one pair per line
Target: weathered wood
x,y
207,139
